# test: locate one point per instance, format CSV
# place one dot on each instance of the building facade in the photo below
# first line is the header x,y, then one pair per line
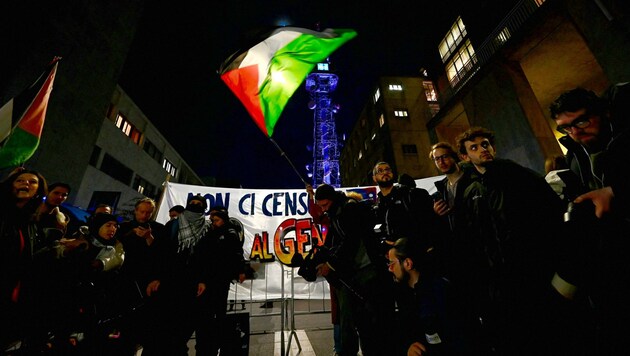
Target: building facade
x,y
392,127
503,79
507,81
80,143
130,159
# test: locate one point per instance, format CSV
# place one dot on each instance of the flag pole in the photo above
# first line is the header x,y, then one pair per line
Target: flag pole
x,y
282,153
161,198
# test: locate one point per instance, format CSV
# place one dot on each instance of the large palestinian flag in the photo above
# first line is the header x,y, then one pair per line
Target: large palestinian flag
x,y
266,76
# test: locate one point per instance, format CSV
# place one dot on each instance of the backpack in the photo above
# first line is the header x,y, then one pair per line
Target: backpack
x,y
239,228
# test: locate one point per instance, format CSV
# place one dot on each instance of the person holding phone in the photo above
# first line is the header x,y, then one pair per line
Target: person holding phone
x,y
146,249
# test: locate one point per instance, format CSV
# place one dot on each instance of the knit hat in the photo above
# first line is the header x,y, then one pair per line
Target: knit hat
x,y
325,191
200,198
99,220
221,212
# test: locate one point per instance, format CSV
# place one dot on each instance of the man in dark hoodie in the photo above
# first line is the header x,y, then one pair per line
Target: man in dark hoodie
x,y
595,273
353,267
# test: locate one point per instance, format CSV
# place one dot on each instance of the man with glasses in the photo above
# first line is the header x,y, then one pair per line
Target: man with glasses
x,y
513,221
449,189
595,274
402,210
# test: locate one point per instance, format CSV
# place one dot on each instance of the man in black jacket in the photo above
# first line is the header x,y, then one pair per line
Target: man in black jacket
x,y
218,260
362,283
514,219
596,267
402,210
181,285
145,245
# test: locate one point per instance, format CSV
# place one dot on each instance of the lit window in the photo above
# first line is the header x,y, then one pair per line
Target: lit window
x,y
503,36
381,120
434,108
127,128
169,167
395,87
539,2
401,113
322,66
360,154
143,186
377,95
429,90
453,38
461,63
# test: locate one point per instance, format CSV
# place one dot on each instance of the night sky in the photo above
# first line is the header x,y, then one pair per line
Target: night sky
x,y
171,75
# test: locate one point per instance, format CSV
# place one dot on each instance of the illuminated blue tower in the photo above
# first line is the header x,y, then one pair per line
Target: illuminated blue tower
x,y
320,84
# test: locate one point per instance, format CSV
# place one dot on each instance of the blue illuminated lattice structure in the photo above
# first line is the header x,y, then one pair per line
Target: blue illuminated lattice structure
x,y
325,169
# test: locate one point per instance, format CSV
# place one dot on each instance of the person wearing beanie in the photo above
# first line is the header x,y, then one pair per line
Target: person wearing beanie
x,y
219,260
196,203
107,298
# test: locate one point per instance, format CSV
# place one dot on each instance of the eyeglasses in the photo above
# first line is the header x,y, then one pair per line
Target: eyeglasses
x,y
581,122
383,170
441,158
390,263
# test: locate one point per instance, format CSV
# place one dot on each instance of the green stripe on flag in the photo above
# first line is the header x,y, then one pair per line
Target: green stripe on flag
x,y
290,66
18,149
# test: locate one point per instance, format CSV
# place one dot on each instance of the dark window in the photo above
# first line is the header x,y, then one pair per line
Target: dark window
x,y
152,150
410,149
102,197
116,170
96,153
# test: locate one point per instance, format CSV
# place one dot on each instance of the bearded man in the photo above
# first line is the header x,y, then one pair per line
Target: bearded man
x,y
402,210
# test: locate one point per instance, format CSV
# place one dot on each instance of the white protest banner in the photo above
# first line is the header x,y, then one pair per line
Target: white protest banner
x,y
277,226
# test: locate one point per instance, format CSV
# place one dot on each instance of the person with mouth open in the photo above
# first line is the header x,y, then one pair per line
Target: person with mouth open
x,y
21,193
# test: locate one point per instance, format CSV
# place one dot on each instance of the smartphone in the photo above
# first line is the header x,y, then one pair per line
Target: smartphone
x,y
437,196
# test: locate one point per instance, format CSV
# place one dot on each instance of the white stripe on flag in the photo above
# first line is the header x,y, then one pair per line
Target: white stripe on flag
x,y
6,120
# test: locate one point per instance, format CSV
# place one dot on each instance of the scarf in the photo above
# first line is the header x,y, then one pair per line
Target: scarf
x,y
191,227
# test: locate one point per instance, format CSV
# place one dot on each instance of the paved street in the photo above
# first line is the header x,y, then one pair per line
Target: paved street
x,y
311,335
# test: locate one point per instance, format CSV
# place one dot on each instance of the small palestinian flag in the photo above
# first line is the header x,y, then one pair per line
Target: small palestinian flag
x,y
22,119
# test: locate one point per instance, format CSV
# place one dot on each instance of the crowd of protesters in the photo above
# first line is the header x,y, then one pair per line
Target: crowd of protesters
x,y
110,288
501,260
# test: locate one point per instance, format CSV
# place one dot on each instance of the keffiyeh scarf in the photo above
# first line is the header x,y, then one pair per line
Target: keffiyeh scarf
x,y
191,227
